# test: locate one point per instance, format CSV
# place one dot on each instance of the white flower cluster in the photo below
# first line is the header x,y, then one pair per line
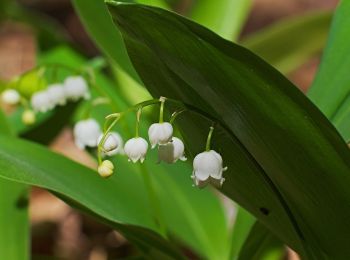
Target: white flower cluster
x,y
170,149
207,166
73,88
87,133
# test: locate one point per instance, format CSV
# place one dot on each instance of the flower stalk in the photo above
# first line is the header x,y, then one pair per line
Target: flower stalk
x,y
208,144
138,116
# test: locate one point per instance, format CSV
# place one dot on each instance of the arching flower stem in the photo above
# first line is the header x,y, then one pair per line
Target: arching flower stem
x,y
161,112
175,115
208,144
106,129
137,127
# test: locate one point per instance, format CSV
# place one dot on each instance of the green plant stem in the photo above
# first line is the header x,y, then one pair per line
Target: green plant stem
x,y
175,115
207,146
154,201
106,130
161,112
138,115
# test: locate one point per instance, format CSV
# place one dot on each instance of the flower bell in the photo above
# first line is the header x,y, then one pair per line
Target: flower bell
x,y
113,144
207,167
41,101
75,87
10,97
136,149
56,94
160,133
106,168
172,151
86,133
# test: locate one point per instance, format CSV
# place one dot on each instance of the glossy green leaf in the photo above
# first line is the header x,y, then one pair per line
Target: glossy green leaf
x,y
14,220
185,208
111,199
288,44
159,3
243,223
93,14
287,164
331,87
225,17
261,245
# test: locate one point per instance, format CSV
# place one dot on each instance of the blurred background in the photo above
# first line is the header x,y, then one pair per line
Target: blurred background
x,y
58,231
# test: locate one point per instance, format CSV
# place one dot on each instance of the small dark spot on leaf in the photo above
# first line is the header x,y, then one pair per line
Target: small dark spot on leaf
x,y
264,211
22,202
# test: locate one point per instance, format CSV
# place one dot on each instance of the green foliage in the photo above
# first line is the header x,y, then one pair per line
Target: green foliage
x,y
111,200
287,164
243,223
261,245
14,223
225,17
112,45
281,151
288,44
29,83
330,90
184,209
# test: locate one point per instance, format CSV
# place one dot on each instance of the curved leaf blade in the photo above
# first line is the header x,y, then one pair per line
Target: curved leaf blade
x,y
331,87
59,174
14,220
261,245
110,43
288,44
225,17
280,141
242,226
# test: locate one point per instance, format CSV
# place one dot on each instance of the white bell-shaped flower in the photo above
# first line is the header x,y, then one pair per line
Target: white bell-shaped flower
x,y
160,133
207,167
56,94
172,151
10,97
75,87
86,132
113,144
106,168
41,102
136,149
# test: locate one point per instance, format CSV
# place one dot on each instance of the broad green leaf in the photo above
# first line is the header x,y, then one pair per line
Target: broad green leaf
x,y
94,16
110,199
132,91
288,44
331,87
14,221
225,17
243,223
5,127
159,3
261,245
287,164
185,208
